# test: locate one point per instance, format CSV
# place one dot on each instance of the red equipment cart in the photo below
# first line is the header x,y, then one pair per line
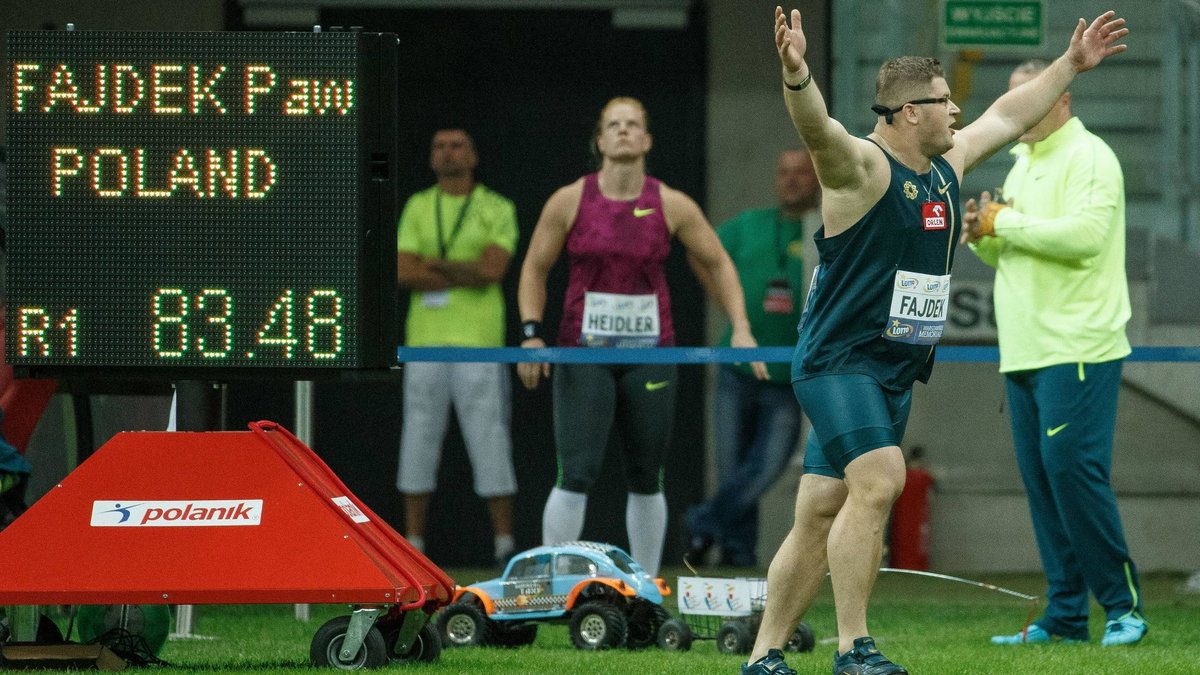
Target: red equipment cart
x,y
227,518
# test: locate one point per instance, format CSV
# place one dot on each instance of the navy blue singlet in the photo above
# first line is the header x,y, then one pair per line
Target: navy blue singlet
x,y
878,302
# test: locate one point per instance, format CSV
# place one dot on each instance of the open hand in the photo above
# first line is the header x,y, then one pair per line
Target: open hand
x,y
1091,44
745,339
790,41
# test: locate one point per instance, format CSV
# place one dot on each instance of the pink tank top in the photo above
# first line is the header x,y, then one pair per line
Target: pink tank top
x,y
617,292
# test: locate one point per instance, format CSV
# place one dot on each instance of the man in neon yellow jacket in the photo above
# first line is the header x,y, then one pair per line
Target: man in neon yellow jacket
x,y
1057,241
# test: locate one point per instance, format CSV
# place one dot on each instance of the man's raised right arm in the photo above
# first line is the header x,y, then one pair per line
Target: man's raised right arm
x,y
837,156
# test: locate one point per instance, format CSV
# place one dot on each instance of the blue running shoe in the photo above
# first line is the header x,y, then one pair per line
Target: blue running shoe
x,y
1126,630
865,659
1034,633
771,664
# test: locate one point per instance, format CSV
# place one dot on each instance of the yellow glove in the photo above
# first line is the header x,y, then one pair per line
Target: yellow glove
x,y
987,218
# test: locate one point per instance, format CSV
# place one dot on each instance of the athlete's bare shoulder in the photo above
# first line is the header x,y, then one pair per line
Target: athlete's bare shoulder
x,y
574,188
844,205
568,196
561,207
673,198
679,209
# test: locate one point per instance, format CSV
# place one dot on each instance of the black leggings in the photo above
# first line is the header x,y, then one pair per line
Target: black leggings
x,y
589,397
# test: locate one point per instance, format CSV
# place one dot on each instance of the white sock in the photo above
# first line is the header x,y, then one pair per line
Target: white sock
x,y
646,523
563,518
417,543
503,546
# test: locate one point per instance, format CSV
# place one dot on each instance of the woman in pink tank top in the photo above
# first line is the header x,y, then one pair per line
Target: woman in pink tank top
x,y
616,226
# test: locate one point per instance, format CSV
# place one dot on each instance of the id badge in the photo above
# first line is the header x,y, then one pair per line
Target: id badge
x,y
435,299
933,215
777,299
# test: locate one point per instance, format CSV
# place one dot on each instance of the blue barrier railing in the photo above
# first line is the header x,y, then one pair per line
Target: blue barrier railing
x,y
949,354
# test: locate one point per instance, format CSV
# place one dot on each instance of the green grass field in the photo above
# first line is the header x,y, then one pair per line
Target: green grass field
x,y
932,627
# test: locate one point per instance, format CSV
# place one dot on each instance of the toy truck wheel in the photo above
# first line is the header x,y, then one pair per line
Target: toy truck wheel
x,y
464,625
643,619
597,625
802,640
327,646
675,636
426,647
505,634
733,638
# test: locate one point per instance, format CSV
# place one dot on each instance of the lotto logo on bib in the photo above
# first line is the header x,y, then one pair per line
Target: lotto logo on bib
x,y
920,303
177,513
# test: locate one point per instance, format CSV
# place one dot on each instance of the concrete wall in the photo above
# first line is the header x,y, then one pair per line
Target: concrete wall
x,y
980,520
747,123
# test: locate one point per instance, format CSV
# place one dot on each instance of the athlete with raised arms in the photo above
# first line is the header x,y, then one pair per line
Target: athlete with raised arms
x,y
875,311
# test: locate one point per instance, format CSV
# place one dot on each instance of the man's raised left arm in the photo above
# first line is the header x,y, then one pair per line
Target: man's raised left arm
x,y
1022,107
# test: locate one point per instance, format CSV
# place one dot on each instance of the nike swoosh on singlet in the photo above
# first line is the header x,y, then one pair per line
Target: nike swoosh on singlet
x,y
638,213
655,386
942,190
1055,430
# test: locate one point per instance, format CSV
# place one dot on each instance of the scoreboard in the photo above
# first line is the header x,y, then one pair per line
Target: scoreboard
x,y
186,203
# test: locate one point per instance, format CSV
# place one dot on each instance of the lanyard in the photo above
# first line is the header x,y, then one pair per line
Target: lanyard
x,y
443,241
929,190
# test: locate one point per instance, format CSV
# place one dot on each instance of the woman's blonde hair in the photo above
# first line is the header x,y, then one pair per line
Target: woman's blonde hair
x,y
628,100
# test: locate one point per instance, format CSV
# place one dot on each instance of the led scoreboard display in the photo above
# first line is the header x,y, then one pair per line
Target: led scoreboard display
x,y
188,202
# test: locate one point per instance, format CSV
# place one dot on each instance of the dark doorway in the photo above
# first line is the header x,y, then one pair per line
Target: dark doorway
x,y
528,85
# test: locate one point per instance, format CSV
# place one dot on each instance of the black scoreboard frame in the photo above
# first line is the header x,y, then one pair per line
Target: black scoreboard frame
x,y
68,92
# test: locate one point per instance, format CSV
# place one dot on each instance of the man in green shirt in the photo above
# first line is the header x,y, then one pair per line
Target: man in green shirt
x,y
453,247
1062,302
757,423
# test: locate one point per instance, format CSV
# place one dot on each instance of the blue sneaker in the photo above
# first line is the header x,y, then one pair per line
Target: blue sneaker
x,y
865,659
771,664
1034,633
1126,630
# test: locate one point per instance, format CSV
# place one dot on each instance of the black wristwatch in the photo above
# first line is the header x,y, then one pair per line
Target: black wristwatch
x,y
531,329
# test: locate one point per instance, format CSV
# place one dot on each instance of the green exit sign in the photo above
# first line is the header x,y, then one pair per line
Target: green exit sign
x,y
993,22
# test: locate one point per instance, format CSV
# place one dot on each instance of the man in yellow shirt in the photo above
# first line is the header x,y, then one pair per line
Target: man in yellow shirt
x,y
1062,302
453,247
